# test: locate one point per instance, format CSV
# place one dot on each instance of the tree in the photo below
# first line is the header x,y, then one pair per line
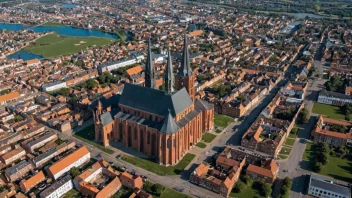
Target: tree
x,y
239,186
89,84
64,92
324,147
157,189
303,115
74,172
79,63
246,180
266,189
317,166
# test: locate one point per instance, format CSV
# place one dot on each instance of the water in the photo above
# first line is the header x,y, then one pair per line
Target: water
x,y
68,6
24,55
61,30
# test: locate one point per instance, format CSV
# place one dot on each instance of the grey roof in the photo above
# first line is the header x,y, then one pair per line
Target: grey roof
x,y
149,69
55,186
187,118
41,138
14,169
107,117
112,101
43,156
169,125
203,105
185,69
169,74
154,101
325,183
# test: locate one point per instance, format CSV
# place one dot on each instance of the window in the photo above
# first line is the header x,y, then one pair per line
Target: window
x,y
135,133
148,137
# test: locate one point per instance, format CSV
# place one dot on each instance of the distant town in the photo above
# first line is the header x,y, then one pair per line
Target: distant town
x,y
142,99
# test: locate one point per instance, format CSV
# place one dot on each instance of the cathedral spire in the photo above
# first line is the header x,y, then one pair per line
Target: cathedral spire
x,y
185,69
149,69
169,75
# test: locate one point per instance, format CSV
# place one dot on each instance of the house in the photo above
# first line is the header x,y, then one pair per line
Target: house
x,y
33,62
54,86
131,181
57,189
74,159
334,98
12,156
28,184
9,97
17,171
268,172
322,186
40,141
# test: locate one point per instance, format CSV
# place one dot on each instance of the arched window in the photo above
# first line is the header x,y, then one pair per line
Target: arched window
x,y
148,137
135,133
169,142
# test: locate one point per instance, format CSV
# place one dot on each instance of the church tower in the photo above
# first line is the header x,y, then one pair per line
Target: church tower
x,y
185,77
97,122
149,69
169,75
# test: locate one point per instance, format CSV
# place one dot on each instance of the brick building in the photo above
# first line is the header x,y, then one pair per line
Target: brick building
x,y
325,131
160,124
268,172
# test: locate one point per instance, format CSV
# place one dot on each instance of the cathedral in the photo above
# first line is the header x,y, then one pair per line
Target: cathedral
x,y
161,124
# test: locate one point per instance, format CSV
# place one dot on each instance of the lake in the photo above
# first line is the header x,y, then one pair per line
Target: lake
x,y
68,6
61,30
24,55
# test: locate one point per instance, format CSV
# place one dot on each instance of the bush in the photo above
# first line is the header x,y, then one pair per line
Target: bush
x,y
154,189
74,172
239,186
317,166
266,189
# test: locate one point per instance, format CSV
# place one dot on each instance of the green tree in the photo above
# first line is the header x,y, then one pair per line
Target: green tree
x,y
239,186
157,189
64,92
303,115
246,180
79,63
74,172
317,167
266,189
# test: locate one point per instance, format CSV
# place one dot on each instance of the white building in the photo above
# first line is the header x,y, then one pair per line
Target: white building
x,y
321,186
58,189
334,98
75,159
54,86
41,141
135,58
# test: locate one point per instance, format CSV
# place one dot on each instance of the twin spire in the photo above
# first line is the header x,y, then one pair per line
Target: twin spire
x,y
184,71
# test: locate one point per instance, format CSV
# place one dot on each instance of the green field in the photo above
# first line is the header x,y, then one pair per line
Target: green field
x,y
159,169
338,168
222,120
87,135
283,156
289,142
208,137
328,111
171,193
285,151
201,145
52,45
71,194
248,192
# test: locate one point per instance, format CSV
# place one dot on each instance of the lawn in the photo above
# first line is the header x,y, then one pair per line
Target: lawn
x,y
329,111
171,193
338,168
292,135
201,145
71,194
87,135
289,142
52,45
159,169
285,151
283,156
248,192
222,120
208,137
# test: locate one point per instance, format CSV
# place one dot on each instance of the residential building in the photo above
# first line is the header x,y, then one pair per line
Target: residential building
x,y
334,98
322,186
74,159
294,89
160,124
135,58
131,181
17,171
40,141
13,155
59,188
28,184
54,86
328,130
268,172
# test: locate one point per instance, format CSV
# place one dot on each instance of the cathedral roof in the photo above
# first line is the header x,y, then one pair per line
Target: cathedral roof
x,y
154,101
169,125
107,117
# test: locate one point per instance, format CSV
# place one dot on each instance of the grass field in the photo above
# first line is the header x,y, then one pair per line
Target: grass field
x,y
159,169
329,111
338,168
53,45
208,137
222,120
292,135
248,192
71,194
285,151
171,193
289,142
87,135
283,156
201,145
